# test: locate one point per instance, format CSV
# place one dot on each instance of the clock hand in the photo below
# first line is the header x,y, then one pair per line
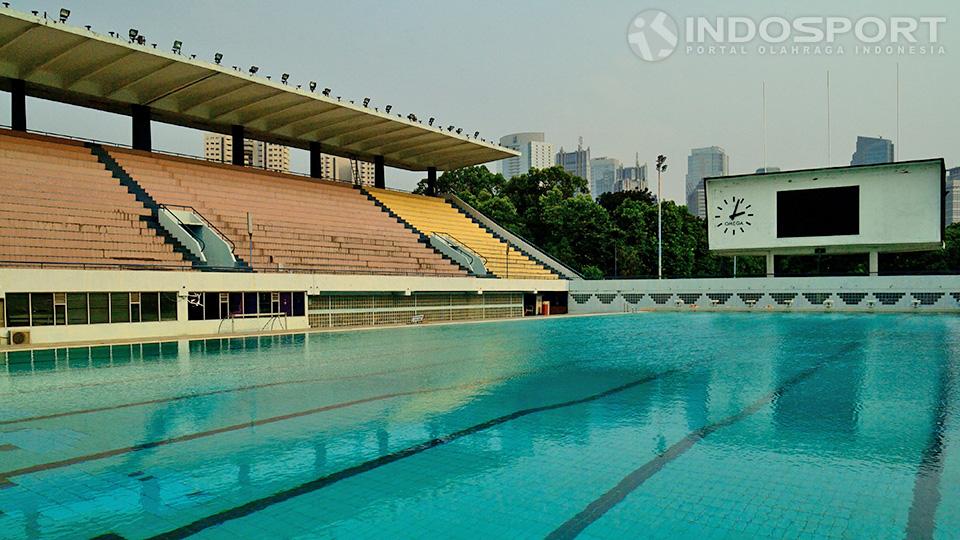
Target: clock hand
x,y
735,208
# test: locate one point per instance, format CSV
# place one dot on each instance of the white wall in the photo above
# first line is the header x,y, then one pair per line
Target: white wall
x,y
900,208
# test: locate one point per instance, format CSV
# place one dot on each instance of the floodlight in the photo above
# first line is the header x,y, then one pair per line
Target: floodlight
x,y
366,101
284,78
476,134
388,107
177,46
141,40
430,122
217,58
133,34
64,14
326,92
459,131
313,86
254,70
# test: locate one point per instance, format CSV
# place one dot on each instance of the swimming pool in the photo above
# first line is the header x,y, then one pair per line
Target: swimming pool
x,y
659,425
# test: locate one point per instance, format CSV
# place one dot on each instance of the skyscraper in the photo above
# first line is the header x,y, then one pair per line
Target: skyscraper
x,y
576,163
872,150
605,173
534,153
703,163
258,154
951,205
633,178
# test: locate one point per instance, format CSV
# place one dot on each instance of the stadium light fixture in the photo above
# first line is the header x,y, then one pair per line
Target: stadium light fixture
x,y
476,134
430,122
133,34
141,40
326,92
113,34
177,46
366,101
64,14
6,4
269,77
388,107
88,27
217,58
450,128
284,78
459,131
254,70
313,86
412,117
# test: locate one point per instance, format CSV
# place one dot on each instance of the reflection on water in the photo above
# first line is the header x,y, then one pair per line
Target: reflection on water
x,y
163,435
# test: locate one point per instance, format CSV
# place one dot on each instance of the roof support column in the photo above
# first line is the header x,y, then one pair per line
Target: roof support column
x,y
236,133
770,265
18,105
379,178
316,160
141,128
431,181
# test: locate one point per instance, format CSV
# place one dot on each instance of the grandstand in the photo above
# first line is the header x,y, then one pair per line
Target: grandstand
x,y
223,248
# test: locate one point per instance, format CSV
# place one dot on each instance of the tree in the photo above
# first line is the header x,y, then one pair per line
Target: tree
x,y
526,192
466,182
580,232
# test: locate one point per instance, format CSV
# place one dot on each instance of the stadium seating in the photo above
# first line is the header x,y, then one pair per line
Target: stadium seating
x,y
299,224
60,205
432,215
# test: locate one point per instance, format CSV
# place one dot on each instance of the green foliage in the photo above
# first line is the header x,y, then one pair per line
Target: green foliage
x,y
616,235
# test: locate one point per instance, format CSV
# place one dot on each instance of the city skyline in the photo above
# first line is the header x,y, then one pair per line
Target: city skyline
x,y
617,118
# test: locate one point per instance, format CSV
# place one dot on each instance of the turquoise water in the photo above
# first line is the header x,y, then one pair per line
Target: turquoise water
x,y
633,426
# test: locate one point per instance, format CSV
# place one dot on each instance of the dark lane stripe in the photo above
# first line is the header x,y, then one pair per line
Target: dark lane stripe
x,y
257,505
921,520
600,506
216,392
5,476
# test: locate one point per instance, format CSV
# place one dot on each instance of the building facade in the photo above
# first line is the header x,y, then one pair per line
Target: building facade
x,y
535,153
576,163
951,205
633,178
605,174
871,150
257,154
703,163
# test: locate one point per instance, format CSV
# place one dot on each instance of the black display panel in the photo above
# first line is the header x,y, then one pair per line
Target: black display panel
x,y
818,212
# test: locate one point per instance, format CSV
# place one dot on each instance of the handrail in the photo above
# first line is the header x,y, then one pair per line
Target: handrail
x,y
203,246
197,213
460,246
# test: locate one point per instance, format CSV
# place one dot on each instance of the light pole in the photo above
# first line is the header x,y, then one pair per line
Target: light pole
x,y
661,167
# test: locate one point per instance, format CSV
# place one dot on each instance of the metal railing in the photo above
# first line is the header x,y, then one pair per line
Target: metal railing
x,y
203,218
460,246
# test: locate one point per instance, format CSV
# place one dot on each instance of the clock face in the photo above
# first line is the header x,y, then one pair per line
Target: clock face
x,y
733,215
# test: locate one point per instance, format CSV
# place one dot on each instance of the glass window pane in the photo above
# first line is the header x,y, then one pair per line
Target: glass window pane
x,y
168,306
41,309
211,301
99,308
195,307
18,309
134,312
265,302
119,307
286,303
236,303
60,314
76,308
299,304
149,306
250,303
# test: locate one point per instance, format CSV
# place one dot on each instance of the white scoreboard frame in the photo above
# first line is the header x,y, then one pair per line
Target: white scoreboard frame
x,y
900,209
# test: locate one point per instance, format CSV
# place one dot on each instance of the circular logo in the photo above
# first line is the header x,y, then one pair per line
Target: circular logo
x,y
652,35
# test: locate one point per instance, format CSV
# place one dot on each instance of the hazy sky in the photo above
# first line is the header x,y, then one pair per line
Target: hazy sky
x,y
562,67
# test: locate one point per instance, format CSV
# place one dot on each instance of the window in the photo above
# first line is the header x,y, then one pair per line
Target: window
x,y
76,308
195,307
119,307
18,309
236,304
168,306
41,309
99,308
211,303
299,304
60,308
250,303
134,307
149,307
286,303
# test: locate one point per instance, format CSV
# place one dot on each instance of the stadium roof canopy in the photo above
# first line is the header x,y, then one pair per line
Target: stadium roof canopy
x,y
81,67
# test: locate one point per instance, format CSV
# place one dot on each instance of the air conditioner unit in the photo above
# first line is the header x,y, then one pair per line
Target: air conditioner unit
x,y
19,337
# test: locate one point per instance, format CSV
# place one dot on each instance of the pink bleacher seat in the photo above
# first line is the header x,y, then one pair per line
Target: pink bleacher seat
x,y
61,206
299,224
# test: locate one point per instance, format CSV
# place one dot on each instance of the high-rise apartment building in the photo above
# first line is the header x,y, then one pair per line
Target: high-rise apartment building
x,y
535,153
257,154
703,163
951,205
872,150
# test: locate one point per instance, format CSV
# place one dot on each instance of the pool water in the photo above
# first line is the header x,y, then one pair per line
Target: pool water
x,y
631,426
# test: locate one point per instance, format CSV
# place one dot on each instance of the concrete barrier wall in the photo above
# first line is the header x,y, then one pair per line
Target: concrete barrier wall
x,y
860,293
